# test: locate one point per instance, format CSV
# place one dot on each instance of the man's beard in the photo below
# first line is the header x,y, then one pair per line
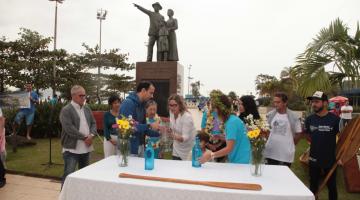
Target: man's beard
x,y
317,110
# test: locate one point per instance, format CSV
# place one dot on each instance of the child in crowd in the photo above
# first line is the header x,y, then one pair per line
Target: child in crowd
x,y
152,117
204,140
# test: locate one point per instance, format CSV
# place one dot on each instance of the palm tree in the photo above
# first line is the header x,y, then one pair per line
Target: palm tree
x,y
332,48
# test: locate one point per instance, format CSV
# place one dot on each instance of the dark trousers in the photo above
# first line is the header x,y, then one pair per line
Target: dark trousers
x,y
70,162
270,161
151,43
315,175
2,172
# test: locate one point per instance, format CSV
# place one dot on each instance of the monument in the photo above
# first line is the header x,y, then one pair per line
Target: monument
x,y
166,73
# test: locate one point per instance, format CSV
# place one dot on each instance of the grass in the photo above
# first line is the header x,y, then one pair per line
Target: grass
x,y
30,160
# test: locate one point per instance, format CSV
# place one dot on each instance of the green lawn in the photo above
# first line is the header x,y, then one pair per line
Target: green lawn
x,y
30,160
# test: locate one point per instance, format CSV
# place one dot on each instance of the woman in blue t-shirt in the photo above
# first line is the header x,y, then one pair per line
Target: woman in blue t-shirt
x,y
238,147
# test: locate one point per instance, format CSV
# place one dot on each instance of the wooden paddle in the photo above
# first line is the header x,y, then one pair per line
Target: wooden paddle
x,y
228,185
347,146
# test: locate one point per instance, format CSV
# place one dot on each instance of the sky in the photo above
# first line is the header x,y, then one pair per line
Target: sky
x,y
227,43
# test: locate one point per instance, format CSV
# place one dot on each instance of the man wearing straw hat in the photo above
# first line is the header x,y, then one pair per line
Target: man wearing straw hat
x,y
155,21
322,128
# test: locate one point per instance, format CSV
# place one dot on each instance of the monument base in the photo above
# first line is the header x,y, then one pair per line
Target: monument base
x,y
167,78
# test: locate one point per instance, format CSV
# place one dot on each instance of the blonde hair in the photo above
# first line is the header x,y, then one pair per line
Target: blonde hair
x,y
180,101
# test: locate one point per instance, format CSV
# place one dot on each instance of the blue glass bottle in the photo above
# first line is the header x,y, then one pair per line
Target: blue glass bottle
x,y
196,153
149,156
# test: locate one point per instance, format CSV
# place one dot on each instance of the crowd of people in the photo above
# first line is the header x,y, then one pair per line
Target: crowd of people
x,y
223,135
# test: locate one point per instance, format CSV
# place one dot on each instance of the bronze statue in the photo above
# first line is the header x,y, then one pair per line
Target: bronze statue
x,y
163,42
155,20
172,25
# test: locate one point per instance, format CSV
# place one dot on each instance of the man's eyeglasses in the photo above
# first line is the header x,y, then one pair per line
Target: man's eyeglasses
x,y
83,96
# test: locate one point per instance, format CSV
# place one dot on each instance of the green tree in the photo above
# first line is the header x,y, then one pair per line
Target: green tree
x,y
34,60
195,89
267,85
288,83
109,60
72,70
332,48
8,67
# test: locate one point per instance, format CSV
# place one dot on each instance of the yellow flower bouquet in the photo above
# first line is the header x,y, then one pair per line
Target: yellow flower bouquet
x,y
125,127
257,134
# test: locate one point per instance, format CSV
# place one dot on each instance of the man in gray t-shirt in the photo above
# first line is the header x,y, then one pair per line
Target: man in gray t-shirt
x,y
284,133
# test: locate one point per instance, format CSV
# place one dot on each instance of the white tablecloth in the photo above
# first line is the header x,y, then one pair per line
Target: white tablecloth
x,y
100,181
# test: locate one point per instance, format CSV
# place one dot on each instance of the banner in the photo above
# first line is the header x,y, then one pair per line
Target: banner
x,y
16,99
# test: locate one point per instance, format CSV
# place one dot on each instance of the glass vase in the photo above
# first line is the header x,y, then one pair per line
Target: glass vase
x,y
123,150
257,163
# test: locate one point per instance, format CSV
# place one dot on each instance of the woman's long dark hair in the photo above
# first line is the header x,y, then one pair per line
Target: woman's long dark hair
x,y
249,107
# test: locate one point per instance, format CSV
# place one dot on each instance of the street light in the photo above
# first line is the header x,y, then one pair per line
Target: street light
x,y
101,15
50,122
189,79
55,37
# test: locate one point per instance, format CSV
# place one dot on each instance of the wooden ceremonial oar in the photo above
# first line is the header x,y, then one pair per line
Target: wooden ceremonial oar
x,y
228,185
348,145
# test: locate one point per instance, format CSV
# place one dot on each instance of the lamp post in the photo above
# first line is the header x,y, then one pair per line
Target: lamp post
x,y
50,122
101,15
55,37
189,79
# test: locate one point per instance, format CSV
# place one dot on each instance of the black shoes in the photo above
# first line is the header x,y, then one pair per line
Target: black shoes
x,y
2,183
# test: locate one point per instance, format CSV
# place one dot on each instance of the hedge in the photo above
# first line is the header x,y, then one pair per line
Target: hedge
x,y
41,127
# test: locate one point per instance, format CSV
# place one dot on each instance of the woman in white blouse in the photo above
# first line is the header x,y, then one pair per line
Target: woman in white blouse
x,y
182,127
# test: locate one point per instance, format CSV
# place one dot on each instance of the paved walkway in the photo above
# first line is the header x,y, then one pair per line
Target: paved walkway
x,y
29,188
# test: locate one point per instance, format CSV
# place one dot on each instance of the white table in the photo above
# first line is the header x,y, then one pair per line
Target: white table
x,y
100,181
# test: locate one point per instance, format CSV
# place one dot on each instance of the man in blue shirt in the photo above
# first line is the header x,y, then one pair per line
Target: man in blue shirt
x,y
27,113
134,105
322,128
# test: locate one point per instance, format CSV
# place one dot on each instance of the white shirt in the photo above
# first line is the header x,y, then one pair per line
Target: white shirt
x,y
346,115
184,126
280,145
84,129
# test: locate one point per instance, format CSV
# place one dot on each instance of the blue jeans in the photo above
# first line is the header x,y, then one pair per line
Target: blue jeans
x,y
70,162
29,117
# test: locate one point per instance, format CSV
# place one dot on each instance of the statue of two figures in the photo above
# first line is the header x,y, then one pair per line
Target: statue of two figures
x,y
162,32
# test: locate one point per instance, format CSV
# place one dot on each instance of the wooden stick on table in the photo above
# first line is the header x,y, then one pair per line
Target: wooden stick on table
x,y
228,185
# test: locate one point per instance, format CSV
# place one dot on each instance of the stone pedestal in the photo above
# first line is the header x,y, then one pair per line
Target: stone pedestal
x,y
168,78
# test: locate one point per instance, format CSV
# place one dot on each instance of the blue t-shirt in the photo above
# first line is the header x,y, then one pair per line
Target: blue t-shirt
x,y
235,130
35,97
